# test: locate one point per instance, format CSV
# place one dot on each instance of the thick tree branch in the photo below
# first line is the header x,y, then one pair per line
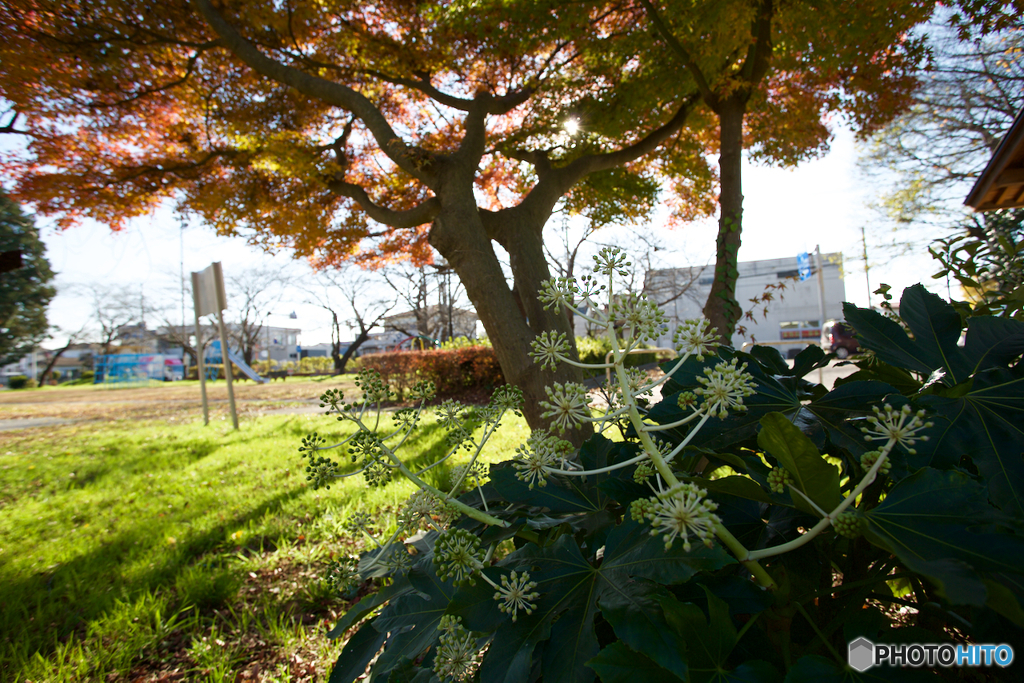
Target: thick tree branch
x,y
555,182
336,94
684,55
422,213
759,54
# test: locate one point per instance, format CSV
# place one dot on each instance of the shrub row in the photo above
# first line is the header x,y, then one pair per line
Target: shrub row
x,y
453,371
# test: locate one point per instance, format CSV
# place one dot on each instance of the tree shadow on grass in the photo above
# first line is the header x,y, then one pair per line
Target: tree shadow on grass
x,y
43,609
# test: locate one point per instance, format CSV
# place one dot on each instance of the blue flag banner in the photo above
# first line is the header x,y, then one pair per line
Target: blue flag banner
x,y
803,265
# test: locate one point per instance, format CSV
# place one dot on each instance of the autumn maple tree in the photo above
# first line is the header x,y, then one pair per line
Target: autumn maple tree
x,y
772,74
375,132
340,130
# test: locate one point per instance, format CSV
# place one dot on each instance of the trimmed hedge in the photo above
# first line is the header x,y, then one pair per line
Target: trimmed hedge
x,y
453,371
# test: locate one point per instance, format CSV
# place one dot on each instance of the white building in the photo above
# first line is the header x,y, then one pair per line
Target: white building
x,y
795,314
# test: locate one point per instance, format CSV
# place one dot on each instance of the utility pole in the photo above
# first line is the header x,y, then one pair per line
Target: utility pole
x,y
867,279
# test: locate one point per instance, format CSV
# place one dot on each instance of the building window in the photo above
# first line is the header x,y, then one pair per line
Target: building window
x,y
799,329
783,274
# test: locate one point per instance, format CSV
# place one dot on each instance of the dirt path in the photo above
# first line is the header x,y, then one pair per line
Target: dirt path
x,y
48,406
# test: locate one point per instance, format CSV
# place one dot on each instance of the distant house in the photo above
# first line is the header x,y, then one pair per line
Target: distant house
x,y
438,323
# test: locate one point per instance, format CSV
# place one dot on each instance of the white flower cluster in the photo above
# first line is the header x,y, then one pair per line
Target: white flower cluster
x,y
901,426
641,316
516,593
540,453
724,387
549,349
679,513
567,404
696,338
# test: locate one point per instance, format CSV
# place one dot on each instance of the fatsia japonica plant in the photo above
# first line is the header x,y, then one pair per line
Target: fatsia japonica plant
x,y
745,527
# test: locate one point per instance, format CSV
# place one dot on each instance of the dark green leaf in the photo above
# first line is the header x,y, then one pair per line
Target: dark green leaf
x,y
987,424
636,617
358,652
617,663
939,523
993,342
889,340
568,494
844,402
742,487
510,656
795,452
367,605
936,328
818,669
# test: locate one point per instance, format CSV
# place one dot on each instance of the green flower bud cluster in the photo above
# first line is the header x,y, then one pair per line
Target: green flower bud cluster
x,y
456,656
311,444
683,511
475,475
687,399
396,558
849,524
612,260
724,387
639,314
457,556
423,391
365,446
779,479
419,505
558,291
901,426
333,400
321,472
377,473
358,521
644,471
505,398
868,460
342,574
695,337
375,390
406,418
641,509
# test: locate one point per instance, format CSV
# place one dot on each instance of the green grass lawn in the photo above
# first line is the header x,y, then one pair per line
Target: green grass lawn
x,y
159,551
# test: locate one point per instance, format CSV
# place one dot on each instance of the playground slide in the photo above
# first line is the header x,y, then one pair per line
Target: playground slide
x,y
244,367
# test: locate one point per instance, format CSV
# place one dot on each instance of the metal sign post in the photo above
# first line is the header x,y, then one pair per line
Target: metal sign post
x,y
208,293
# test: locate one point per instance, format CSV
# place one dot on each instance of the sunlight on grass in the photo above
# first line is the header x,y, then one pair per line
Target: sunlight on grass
x,y
148,547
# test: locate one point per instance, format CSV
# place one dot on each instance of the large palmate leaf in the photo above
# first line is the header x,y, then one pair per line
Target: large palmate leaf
x,y
570,588
710,641
566,494
940,524
936,329
411,619
618,663
985,422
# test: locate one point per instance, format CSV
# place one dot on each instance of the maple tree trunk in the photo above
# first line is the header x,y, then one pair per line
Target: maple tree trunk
x,y
721,309
341,361
459,235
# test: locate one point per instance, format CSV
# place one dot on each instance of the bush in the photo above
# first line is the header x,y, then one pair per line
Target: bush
x,y
452,371
21,382
749,526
